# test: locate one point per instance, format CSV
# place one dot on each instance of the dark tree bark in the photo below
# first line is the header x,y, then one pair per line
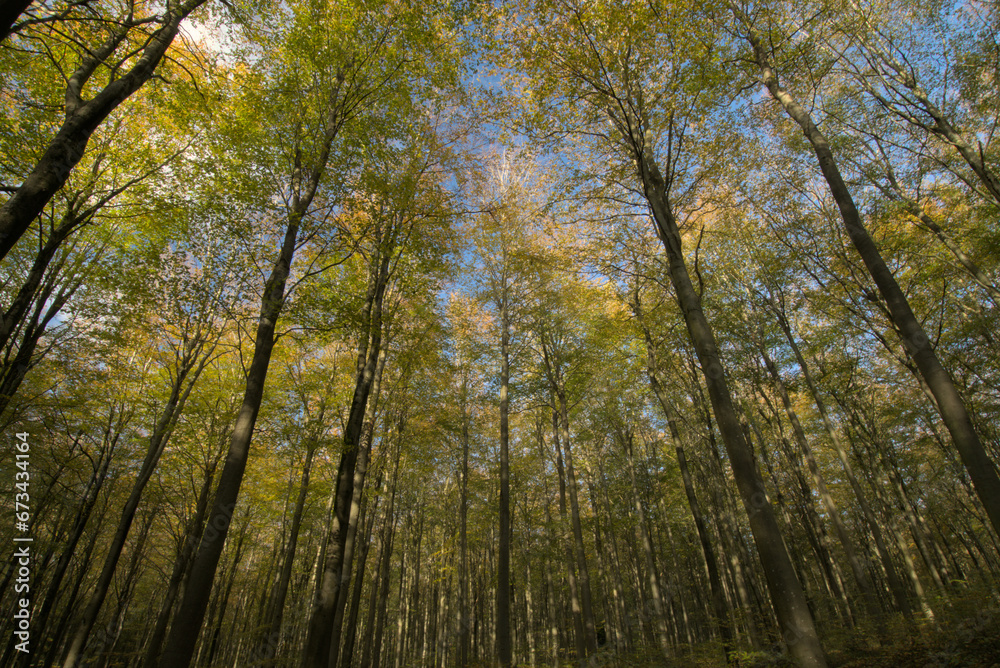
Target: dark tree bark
x,y
10,12
269,644
787,595
377,609
503,556
719,606
305,181
357,509
49,300
576,607
190,614
318,643
83,117
981,468
626,441
350,623
846,542
185,553
192,361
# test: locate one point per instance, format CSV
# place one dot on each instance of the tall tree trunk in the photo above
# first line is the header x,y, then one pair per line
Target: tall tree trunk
x,y
83,117
895,584
357,508
463,520
574,596
380,585
623,632
589,624
787,596
347,652
553,615
503,557
69,605
223,596
269,646
318,643
981,468
186,551
833,512
187,622
192,361
625,440
720,608
305,183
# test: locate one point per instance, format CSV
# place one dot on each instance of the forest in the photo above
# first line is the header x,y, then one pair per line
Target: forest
x,y
577,333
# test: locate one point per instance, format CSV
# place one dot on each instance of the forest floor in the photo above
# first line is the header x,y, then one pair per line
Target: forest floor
x,y
972,641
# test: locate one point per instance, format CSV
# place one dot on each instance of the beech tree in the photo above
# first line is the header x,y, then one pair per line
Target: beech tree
x,y
123,41
981,469
527,334
613,86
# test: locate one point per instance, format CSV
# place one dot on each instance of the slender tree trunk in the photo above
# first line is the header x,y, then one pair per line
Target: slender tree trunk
x,y
787,596
719,606
357,508
270,642
347,652
981,468
603,560
189,544
895,584
623,633
193,361
574,597
69,606
590,626
380,585
383,602
463,520
550,535
187,623
503,558
318,643
647,549
833,512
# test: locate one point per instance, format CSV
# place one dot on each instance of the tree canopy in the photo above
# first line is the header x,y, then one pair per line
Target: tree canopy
x,y
534,332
